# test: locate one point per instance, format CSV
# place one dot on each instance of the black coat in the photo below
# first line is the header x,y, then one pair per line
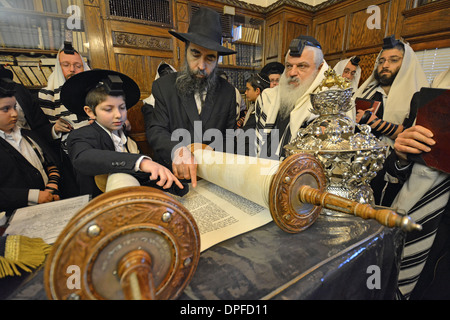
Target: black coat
x,y
17,175
92,152
172,112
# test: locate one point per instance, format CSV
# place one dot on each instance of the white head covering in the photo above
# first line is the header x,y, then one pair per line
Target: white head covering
x,y
151,100
55,82
409,80
442,80
339,68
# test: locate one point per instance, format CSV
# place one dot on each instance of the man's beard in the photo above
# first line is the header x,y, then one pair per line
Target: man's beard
x,y
386,79
187,82
289,94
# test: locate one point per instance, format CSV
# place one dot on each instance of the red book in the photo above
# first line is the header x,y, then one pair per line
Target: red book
x,y
364,104
434,114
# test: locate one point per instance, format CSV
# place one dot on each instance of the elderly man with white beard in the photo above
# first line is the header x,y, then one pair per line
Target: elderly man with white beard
x,y
281,111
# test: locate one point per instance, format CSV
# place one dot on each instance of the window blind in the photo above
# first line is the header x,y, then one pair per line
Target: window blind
x,y
434,61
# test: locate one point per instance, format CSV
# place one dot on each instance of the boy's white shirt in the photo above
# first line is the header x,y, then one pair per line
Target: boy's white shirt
x,y
120,142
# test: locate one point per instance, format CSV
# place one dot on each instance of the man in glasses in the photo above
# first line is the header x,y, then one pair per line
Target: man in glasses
x,y
273,70
282,110
397,75
68,63
350,69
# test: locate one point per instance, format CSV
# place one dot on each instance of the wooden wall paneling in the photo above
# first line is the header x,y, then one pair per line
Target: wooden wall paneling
x,y
273,41
96,35
330,35
428,26
295,26
282,26
360,36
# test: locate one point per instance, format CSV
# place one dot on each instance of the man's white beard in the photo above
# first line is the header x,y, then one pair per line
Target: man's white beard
x,y
289,94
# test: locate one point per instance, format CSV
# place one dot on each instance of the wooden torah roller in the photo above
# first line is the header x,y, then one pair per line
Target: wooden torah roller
x,y
128,243
297,195
292,189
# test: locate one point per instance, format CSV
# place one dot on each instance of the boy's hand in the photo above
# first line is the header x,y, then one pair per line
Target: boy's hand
x,y
166,178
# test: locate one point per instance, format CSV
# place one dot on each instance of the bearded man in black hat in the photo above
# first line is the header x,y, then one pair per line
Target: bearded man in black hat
x,y
192,101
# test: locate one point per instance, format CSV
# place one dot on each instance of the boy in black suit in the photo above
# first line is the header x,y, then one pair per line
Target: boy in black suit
x,y
102,147
28,174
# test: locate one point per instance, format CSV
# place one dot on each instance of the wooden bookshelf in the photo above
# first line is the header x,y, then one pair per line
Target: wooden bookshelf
x,y
35,30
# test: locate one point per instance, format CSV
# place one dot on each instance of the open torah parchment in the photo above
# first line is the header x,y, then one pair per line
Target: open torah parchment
x,y
221,214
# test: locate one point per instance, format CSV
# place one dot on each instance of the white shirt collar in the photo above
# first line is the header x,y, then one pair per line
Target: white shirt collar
x,y
119,139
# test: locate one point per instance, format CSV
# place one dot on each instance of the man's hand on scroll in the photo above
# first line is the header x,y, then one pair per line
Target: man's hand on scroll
x,y
416,139
184,165
166,178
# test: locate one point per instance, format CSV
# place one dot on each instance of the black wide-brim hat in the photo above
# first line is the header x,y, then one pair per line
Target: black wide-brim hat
x,y
273,67
75,89
205,30
6,73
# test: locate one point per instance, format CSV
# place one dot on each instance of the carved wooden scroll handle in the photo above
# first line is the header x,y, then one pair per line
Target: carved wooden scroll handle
x,y
135,272
330,201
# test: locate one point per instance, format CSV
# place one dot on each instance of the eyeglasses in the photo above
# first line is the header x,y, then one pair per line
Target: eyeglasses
x,y
392,60
76,65
347,71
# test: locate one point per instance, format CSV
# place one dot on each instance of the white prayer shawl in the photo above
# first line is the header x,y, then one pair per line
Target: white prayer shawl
x,y
151,100
409,80
339,68
442,80
50,97
269,102
418,185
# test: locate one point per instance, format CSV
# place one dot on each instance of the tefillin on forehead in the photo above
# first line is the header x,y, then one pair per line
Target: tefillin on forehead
x,y
68,48
391,42
298,45
7,87
355,61
113,85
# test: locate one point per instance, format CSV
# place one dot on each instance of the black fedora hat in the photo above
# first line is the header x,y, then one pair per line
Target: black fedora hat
x,y
205,30
6,73
76,88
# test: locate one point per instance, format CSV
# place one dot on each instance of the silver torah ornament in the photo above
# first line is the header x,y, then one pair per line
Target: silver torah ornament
x,y
350,160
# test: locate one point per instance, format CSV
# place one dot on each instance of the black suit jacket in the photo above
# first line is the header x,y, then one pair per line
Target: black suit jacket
x,y
92,152
17,175
172,112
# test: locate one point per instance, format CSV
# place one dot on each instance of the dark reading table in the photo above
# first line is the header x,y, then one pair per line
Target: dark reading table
x,y
336,258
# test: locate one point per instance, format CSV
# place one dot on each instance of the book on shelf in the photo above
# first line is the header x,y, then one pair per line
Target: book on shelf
x,y
47,71
39,75
34,80
22,76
